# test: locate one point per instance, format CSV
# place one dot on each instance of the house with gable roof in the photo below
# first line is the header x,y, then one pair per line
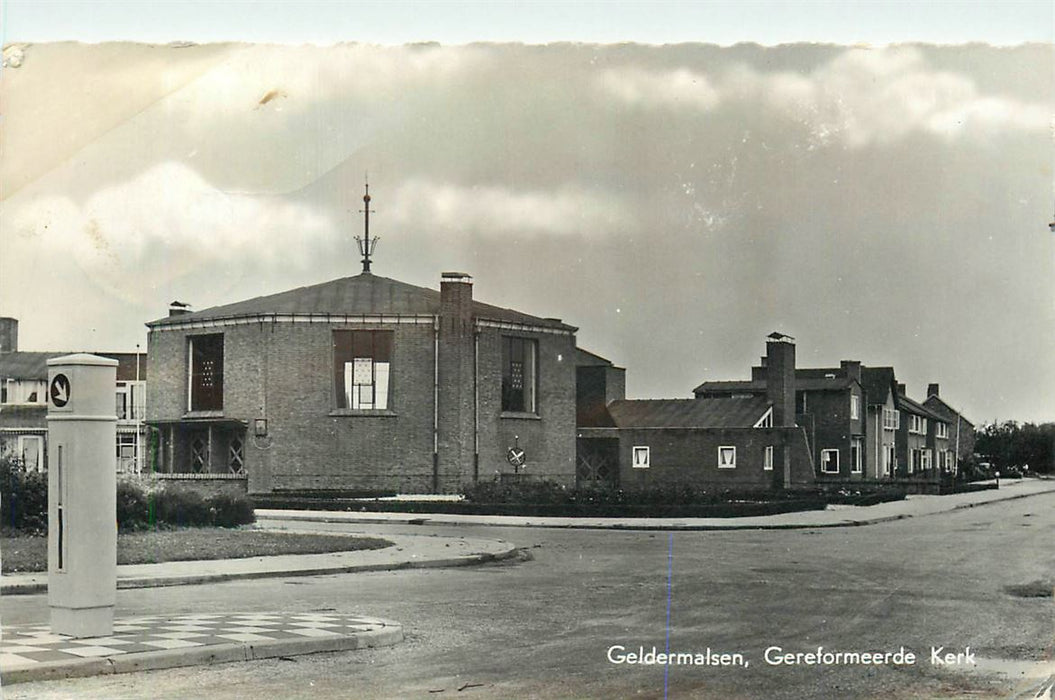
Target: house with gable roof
x,y
737,441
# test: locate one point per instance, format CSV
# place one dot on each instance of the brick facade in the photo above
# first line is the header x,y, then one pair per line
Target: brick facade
x,y
443,426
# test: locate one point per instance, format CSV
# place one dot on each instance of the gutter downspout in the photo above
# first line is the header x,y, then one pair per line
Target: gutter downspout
x,y
436,404
476,406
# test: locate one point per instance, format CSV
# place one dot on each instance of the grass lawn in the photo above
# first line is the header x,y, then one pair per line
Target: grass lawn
x,y
24,553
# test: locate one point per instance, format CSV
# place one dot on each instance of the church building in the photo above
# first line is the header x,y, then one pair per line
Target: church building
x,y
363,383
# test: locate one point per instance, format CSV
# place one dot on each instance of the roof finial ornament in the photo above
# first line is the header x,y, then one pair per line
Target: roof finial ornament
x,y
367,245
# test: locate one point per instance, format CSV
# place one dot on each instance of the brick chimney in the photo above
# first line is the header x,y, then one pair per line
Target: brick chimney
x,y
932,390
780,378
852,369
179,308
8,334
900,389
456,297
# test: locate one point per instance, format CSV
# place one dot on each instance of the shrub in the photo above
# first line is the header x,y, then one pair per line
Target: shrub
x,y
23,497
182,507
231,511
135,506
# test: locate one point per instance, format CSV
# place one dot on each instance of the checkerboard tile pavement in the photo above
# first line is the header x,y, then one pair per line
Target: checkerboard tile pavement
x,y
25,646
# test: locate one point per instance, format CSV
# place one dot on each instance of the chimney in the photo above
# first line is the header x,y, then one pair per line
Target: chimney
x,y
932,390
780,378
456,296
8,334
852,369
900,389
178,308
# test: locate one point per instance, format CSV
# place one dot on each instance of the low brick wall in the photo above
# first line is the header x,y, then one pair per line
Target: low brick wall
x,y
205,484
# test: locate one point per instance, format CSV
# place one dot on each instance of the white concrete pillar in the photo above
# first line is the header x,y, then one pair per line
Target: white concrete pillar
x,y
82,495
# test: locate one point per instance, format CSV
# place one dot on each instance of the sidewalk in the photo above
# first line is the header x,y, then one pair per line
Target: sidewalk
x,y
33,653
408,552
834,516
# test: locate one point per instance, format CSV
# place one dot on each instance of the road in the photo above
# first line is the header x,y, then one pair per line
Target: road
x,y
542,626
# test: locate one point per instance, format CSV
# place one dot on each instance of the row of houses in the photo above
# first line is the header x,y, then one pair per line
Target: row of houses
x,y
24,407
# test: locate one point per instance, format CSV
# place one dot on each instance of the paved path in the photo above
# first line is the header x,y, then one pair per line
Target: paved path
x,y
834,516
408,552
33,653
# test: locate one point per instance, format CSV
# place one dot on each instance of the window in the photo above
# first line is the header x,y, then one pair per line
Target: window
x,y
830,461
917,424
891,419
361,365
519,375
941,429
767,458
726,457
890,460
641,458
856,450
3,392
925,459
916,463
855,406
236,456
122,401
206,372
766,421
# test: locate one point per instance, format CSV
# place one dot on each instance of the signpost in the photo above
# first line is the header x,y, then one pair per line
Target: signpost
x,y
82,494
516,456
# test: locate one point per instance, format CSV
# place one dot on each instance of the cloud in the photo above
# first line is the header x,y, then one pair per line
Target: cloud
x,y
858,98
675,88
166,223
497,211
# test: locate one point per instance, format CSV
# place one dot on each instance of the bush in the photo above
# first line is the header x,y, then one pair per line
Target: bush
x,y
182,507
231,511
135,506
23,497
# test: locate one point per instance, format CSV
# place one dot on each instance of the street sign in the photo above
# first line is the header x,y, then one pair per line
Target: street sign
x,y
60,390
515,456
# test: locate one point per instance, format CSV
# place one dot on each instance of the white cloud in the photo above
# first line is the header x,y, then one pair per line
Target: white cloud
x,y
165,224
677,88
860,97
499,211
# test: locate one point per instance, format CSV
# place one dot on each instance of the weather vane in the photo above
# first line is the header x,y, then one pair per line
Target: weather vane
x,y
367,245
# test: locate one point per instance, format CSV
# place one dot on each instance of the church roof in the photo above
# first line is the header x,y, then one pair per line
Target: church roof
x,y
364,294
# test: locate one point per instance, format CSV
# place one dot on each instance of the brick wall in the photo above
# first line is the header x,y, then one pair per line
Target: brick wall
x,y
284,372
548,438
680,455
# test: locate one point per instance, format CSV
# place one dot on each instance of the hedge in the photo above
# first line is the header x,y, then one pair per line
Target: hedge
x,y
24,504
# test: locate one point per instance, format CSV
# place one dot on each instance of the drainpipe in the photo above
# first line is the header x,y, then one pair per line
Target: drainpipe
x,y
476,406
436,405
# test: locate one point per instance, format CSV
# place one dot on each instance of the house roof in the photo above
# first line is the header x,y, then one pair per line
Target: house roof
x,y
878,383
585,358
364,294
688,413
906,404
936,405
802,383
34,365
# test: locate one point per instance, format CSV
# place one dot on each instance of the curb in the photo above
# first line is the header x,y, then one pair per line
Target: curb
x,y
427,519
390,634
162,581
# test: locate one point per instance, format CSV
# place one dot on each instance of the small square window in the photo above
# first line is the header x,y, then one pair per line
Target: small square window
x,y
642,458
726,457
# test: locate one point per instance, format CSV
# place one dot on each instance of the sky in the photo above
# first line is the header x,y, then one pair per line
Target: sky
x,y
675,183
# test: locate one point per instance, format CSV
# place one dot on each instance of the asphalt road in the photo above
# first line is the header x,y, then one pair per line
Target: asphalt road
x,y
542,626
